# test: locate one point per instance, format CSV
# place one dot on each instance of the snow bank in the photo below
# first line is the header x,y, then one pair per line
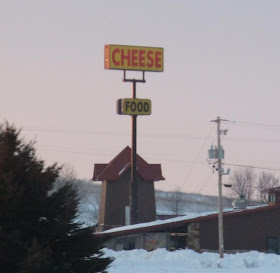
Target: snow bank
x,y
163,261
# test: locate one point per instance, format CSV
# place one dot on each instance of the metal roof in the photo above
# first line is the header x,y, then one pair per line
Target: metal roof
x,y
179,221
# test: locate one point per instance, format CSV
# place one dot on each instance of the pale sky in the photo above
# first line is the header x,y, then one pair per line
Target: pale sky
x,y
222,58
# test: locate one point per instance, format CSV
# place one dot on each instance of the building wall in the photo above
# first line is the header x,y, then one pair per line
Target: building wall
x,y
102,204
146,201
115,197
148,241
242,232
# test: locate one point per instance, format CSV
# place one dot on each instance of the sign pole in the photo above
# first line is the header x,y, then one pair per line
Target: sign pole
x,y
133,189
133,58
134,184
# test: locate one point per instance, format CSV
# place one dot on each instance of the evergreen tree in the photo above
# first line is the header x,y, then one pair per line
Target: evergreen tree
x,y
38,233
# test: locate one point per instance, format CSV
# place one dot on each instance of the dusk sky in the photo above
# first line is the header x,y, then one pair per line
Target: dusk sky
x,y
221,58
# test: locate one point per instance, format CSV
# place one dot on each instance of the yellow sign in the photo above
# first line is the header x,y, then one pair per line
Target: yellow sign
x,y
134,58
134,106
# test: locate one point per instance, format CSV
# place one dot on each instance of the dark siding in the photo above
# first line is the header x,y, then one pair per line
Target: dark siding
x,y
115,196
209,234
242,232
146,201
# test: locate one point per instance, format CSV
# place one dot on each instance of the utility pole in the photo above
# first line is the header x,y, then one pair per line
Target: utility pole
x,y
221,227
218,153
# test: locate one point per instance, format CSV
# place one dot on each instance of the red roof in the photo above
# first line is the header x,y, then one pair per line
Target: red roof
x,y
121,163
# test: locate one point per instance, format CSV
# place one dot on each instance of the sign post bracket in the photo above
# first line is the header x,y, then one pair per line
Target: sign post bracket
x,y
134,80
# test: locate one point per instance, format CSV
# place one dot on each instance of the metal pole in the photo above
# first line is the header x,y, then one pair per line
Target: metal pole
x,y
220,217
133,187
134,184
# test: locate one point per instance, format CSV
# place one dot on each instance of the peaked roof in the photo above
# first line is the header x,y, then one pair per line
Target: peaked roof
x,y
121,163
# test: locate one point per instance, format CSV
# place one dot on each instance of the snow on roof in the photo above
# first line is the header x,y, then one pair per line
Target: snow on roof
x,y
181,219
124,168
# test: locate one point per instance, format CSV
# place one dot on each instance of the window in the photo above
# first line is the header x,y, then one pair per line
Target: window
x,y
273,245
271,198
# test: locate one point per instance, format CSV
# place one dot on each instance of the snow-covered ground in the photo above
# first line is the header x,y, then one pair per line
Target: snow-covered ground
x,y
188,261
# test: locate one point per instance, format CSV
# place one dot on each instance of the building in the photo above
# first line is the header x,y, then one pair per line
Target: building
x,y
252,228
273,196
116,178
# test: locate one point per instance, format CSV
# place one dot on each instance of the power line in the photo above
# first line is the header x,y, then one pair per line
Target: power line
x,y
158,136
109,133
252,167
111,154
200,150
252,140
71,151
152,135
255,124
206,183
74,131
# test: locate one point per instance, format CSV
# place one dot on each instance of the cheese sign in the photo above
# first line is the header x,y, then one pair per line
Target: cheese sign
x,y
134,107
123,57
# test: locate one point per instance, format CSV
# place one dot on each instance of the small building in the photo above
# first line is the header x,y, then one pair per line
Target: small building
x,y
245,229
273,196
116,179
